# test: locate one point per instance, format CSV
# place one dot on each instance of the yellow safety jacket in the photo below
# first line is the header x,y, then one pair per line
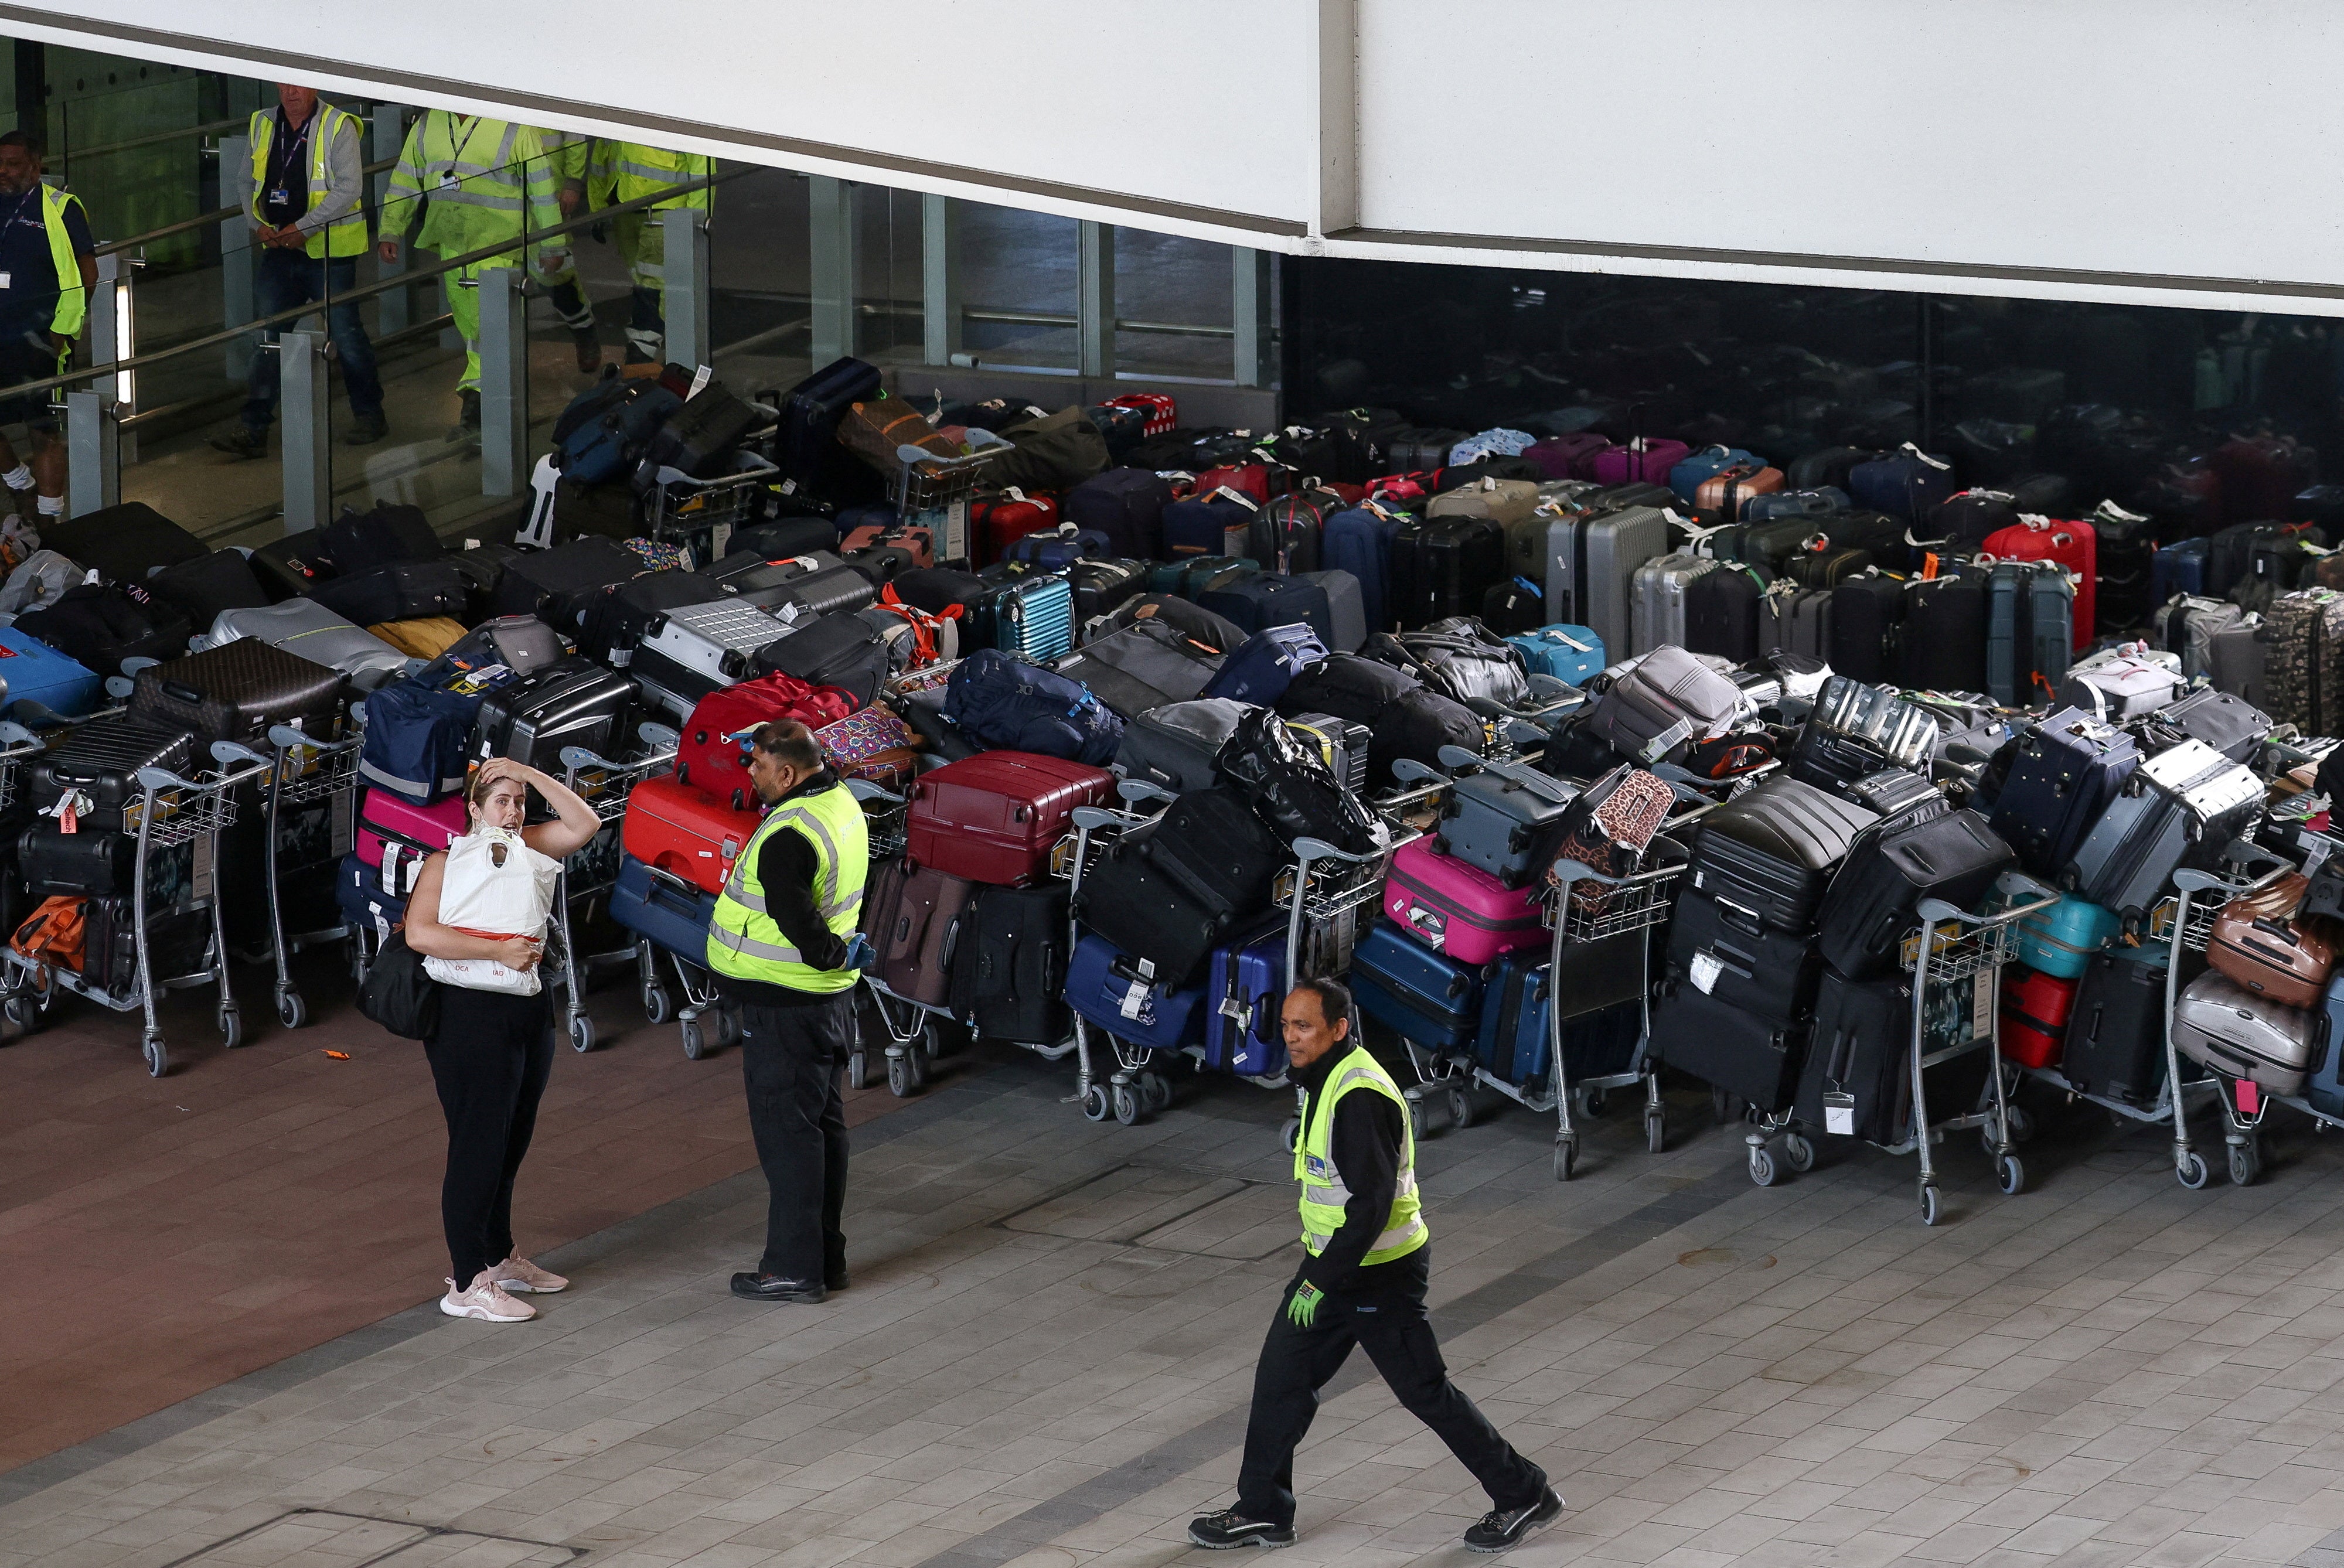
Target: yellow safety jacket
x,y
1323,1192
344,236
744,941
73,299
477,181
625,170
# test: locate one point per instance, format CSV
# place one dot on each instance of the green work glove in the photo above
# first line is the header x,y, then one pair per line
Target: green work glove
x,y
1302,1307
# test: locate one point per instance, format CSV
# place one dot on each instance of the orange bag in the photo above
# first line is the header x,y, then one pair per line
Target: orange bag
x,y
53,934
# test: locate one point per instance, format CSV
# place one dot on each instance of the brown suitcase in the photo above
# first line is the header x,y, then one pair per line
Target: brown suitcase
x,y
1724,494
425,637
2260,945
914,917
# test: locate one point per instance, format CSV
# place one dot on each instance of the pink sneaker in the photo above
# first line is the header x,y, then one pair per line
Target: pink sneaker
x,y
519,1274
485,1300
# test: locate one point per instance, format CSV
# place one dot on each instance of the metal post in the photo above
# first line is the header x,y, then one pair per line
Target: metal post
x,y
829,230
1250,297
686,297
93,460
304,429
387,136
940,318
504,382
1094,298
235,254
114,335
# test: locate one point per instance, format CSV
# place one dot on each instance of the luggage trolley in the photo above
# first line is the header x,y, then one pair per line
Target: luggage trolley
x,y
697,984
2199,898
701,513
935,492
170,810
1951,947
1323,894
594,871
304,770
1134,1087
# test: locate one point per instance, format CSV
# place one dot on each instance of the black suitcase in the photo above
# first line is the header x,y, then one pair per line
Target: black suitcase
x,y
236,690
708,429
101,760
1889,869
1009,971
200,589
483,563
81,864
832,651
1753,1059
1735,960
403,591
1143,666
1265,599
615,621
1859,1069
1445,567
1101,586
177,945
556,586
292,565
938,588
1941,646
1866,614
385,535
2231,725
1722,614
2116,1030
122,544
99,625
567,704
806,446
1770,852
1172,892
818,584
1179,746
783,539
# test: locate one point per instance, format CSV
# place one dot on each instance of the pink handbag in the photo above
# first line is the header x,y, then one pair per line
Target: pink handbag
x,y
1459,909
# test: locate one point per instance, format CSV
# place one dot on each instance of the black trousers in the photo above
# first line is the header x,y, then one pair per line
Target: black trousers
x,y
489,1060
792,1059
1296,1362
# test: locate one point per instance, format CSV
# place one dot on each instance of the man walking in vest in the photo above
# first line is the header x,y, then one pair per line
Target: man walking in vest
x,y
306,180
622,171
49,269
1363,1282
786,954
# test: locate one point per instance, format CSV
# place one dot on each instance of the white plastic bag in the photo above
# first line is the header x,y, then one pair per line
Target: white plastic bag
x,y
493,885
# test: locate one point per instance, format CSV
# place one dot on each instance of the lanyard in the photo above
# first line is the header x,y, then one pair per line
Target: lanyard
x,y
289,153
18,212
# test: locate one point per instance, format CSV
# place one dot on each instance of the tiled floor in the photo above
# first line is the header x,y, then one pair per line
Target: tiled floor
x,y
1045,1358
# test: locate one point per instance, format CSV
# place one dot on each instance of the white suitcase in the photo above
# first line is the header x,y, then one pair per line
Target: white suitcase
x,y
703,648
2223,1026
306,627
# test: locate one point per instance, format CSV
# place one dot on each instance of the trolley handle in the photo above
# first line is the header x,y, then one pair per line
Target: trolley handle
x,y
1407,770
578,759
286,738
866,792
658,738
2246,856
1307,850
1096,817
1141,792
2039,897
13,735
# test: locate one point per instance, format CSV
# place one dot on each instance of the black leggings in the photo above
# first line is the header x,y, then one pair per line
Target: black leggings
x,y
489,1060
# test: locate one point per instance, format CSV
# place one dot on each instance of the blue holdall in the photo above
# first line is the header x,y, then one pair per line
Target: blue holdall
x,y
1106,985
609,426
1568,653
418,739
1055,549
1004,705
1265,664
1216,524
1907,483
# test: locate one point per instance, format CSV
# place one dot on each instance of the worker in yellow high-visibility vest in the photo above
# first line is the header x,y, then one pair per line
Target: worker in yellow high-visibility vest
x,y
622,171
48,269
567,153
477,183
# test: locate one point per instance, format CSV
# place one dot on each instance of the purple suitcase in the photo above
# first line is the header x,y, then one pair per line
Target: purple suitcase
x,y
1643,460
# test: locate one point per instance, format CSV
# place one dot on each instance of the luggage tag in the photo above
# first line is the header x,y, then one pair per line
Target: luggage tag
x,y
1705,969
1839,1113
1134,1004
473,683
71,807
2250,1097
1667,741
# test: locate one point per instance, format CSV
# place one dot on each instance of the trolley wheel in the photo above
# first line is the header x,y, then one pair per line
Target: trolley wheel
x,y
657,1008
1460,1107
1762,1166
1155,1092
1588,1101
1126,1104
2191,1171
1799,1152
1566,1155
1291,1134
2009,1175
915,1063
1420,1125
292,1010
858,1069
582,1033
1656,1131
727,1029
2245,1163
232,1028
1721,1103
695,1042
158,1061
22,1011
1095,1103
2022,1123
931,1039
1929,1205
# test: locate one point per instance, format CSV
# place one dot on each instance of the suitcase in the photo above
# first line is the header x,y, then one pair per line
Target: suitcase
x,y
2237,661
615,624
100,761
1031,617
1186,577
1722,613
361,901
1751,1057
1175,747
1244,989
685,832
916,917
1506,820
1905,483
708,761
395,592
122,544
1657,616
570,703
1261,600
1343,745
799,589
102,626
2030,620
1732,958
1009,966
2060,941
1359,541
848,653
51,864
1723,495
1591,569
1171,892
1770,851
1568,653
1858,1078
711,426
2068,769
1211,523
2035,1008
1261,668
1456,909
384,535
1640,461
2219,1024
200,589
663,909
996,818
2116,685
1514,1043
1102,586
2179,568
236,691
2232,726
2303,659
1124,504
2115,1033
557,585
1443,567
1690,472
305,628
2274,956
696,649
1345,625
1513,607
395,835
1796,620
1942,640
424,638
1419,995
291,565
521,643
39,685
1145,666
1119,994
1867,613
1855,730
2181,807
2188,625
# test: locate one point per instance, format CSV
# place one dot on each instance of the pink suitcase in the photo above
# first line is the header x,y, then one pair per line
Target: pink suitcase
x,y
1644,460
396,836
1458,909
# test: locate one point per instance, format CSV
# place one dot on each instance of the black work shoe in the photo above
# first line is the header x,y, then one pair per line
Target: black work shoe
x,y
588,350
366,430
468,414
1228,1528
242,441
1504,1527
834,1278
776,1287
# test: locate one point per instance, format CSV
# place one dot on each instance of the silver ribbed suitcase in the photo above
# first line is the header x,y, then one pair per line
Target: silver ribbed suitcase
x,y
703,648
2229,1028
307,628
1657,617
1592,566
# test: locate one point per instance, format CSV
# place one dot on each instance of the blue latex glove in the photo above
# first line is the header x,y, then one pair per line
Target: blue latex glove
x,y
860,954
1302,1307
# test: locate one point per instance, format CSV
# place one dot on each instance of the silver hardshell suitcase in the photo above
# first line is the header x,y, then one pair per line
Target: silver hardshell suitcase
x,y
1592,566
307,628
1657,616
2223,1026
2181,807
701,648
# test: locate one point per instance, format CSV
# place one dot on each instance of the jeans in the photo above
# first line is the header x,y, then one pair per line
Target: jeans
x,y
283,280
489,1060
792,1059
1296,1362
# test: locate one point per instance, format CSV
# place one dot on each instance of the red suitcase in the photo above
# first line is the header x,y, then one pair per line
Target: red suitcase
x,y
995,521
913,915
676,829
1163,413
994,817
710,761
1248,479
2035,1009
919,541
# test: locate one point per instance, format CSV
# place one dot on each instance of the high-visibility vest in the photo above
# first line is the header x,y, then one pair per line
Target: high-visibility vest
x,y
625,170
501,176
743,940
1323,1192
73,299
344,236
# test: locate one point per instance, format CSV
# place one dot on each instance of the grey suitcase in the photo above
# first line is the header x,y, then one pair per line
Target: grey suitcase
x,y
1347,610
1796,620
2223,1026
1341,744
1175,747
1657,615
1654,704
1499,820
1592,568
2188,625
703,648
2237,659
2181,807
307,628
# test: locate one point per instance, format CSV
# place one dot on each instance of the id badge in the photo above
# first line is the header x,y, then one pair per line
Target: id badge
x,y
448,180
1839,1114
280,197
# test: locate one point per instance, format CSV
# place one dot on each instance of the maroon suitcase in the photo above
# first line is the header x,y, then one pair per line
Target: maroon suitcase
x,y
914,916
994,817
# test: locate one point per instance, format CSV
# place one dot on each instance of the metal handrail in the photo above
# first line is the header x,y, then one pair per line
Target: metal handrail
x,y
66,155
206,219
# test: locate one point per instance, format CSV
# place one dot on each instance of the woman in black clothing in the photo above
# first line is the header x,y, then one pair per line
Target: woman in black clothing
x,y
493,1048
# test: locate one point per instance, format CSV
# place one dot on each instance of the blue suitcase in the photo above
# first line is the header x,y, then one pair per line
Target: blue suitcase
x,y
1568,653
34,672
1359,541
1686,476
1055,549
2179,568
2067,770
1206,525
2060,940
2325,1089
1031,617
1820,502
673,913
1260,668
1516,1042
1243,993
359,895
1414,992
1105,986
